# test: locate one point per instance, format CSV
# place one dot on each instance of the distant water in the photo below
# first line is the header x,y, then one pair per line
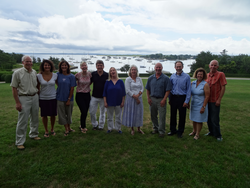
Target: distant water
x,y
117,63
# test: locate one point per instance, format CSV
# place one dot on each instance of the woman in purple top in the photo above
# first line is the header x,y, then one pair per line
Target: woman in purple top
x,y
64,95
46,80
114,95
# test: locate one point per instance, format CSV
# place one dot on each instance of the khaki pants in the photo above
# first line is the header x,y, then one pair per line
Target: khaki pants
x,y
64,112
154,108
30,108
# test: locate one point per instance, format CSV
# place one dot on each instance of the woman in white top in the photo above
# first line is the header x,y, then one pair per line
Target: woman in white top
x,y
133,108
47,95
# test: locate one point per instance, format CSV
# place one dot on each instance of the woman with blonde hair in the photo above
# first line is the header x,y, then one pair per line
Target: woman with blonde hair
x,y
114,95
133,108
83,80
200,92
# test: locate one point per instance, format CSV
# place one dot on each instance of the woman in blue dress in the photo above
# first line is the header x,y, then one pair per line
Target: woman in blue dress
x,y
200,92
114,95
133,108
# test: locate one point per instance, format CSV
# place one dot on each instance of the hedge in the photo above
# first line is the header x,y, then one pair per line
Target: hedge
x,y
8,78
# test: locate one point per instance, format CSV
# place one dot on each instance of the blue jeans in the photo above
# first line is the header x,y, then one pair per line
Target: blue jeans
x,y
213,121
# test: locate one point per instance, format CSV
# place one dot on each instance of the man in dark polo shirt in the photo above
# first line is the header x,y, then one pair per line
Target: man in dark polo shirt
x,y
98,79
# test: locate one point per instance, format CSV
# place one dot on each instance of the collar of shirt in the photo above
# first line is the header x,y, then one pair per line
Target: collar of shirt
x,y
213,74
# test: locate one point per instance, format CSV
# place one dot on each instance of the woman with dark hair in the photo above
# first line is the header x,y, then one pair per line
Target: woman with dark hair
x,y
83,80
114,95
46,80
133,108
66,83
200,92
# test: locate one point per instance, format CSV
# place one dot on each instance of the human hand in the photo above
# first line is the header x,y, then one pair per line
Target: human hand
x,y
217,103
106,105
149,101
19,107
185,105
122,104
202,110
163,103
138,101
68,103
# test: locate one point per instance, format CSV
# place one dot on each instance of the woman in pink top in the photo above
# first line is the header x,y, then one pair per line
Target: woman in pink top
x,y
83,94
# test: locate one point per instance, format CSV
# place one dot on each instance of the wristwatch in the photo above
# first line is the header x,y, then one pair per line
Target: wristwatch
x,y
204,106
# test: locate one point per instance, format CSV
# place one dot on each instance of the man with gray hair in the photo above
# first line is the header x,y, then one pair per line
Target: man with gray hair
x,y
217,82
24,89
158,88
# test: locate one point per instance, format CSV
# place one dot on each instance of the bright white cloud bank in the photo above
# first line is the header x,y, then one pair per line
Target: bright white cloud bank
x,y
118,26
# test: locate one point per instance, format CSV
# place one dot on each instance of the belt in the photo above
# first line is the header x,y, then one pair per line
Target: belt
x,y
179,95
28,95
158,97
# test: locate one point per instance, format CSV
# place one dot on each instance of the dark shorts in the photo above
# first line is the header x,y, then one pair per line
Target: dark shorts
x,y
48,107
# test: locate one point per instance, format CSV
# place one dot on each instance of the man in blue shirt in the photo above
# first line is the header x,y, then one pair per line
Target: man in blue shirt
x,y
179,99
158,88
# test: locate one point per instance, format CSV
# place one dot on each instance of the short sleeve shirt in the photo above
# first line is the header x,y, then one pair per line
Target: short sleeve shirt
x,y
158,87
65,82
47,91
24,81
215,82
98,83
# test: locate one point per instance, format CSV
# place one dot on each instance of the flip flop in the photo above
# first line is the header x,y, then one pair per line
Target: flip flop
x,y
46,135
53,133
66,134
140,131
71,130
132,132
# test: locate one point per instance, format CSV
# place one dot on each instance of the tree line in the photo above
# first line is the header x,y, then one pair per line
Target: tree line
x,y
239,64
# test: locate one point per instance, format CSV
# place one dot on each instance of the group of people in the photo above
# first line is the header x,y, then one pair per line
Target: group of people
x,y
205,94
32,90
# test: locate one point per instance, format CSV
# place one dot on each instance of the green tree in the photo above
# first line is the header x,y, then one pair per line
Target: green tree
x,y
202,60
125,68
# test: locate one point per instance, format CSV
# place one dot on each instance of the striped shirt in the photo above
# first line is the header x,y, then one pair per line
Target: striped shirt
x,y
215,81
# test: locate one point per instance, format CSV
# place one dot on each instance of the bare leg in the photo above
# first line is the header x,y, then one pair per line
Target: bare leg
x,y
132,130
45,123
140,131
66,129
198,128
194,129
52,122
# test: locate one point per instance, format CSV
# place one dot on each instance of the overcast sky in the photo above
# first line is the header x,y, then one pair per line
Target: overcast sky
x,y
125,26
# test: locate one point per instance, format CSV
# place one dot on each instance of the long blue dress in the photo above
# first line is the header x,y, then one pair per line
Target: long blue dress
x,y
198,97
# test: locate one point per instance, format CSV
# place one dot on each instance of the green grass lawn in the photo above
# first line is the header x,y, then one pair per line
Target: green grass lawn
x,y
98,159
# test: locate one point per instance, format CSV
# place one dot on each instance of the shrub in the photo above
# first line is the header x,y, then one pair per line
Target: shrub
x,y
3,77
8,78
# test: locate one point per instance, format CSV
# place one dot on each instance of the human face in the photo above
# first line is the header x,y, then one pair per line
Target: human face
x,y
200,76
99,67
84,67
113,73
64,67
213,66
158,68
46,67
27,63
133,72
178,67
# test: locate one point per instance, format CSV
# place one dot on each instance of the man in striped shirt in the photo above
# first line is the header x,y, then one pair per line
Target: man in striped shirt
x,y
217,82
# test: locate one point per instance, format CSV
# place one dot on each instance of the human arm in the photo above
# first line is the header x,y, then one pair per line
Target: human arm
x,y
188,95
148,97
15,95
222,91
207,94
105,102
163,101
38,86
70,95
122,104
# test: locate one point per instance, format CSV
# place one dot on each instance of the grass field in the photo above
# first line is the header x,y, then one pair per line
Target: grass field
x,y
98,159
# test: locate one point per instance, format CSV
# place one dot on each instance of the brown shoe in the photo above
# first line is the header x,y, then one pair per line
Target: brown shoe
x,y
36,138
21,147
